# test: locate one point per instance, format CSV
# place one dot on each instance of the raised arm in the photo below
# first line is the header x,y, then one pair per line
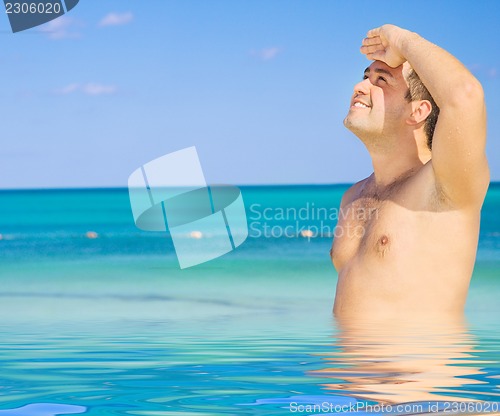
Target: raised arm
x,y
458,150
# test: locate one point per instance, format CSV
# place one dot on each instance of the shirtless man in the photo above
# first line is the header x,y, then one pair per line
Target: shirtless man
x,y
407,238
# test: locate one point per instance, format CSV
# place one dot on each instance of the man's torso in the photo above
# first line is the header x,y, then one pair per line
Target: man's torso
x,y
406,250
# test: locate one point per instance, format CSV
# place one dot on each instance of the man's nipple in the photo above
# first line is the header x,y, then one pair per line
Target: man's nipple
x,y
383,245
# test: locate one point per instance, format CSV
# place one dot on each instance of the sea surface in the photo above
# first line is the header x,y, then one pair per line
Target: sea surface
x,y
98,318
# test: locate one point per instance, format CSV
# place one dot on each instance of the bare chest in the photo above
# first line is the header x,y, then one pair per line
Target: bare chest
x,y
369,227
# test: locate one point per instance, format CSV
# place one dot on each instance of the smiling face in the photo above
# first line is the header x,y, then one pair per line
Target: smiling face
x,y
378,107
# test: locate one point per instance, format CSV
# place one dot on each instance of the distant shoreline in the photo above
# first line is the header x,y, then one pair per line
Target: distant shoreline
x,y
494,184
121,189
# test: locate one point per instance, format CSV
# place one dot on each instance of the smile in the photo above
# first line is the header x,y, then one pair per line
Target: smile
x,y
360,105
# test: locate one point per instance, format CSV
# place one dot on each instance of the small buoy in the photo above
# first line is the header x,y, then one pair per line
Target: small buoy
x,y
307,233
91,234
196,234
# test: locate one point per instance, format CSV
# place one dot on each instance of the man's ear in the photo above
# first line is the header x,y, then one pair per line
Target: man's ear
x,y
420,110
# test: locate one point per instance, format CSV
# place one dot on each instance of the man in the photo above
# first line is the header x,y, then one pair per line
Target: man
x,y
407,238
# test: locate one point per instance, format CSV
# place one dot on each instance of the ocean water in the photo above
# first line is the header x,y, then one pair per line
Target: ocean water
x,y
112,326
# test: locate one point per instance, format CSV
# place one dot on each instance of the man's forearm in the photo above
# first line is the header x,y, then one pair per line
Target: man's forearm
x,y
446,78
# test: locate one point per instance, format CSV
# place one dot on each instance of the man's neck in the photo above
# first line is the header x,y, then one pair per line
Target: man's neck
x,y
389,167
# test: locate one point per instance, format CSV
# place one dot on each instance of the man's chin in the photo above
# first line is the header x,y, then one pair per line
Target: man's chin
x,y
350,124
347,122
357,129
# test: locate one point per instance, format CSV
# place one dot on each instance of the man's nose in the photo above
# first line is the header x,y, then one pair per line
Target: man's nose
x,y
362,87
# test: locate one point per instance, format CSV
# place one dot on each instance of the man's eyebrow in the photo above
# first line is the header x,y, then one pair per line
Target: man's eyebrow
x,y
379,71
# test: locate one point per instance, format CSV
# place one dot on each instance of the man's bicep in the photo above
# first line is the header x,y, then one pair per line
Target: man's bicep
x,y
458,153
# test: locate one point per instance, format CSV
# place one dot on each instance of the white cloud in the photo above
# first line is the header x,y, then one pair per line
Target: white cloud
x,y
98,89
61,28
266,54
90,88
116,19
68,89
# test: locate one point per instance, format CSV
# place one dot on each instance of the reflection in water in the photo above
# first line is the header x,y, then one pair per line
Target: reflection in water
x,y
43,409
403,361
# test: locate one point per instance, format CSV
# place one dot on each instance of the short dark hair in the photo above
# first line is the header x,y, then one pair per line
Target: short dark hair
x,y
418,91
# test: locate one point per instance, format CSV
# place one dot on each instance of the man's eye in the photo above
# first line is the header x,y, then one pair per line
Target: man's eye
x,y
382,78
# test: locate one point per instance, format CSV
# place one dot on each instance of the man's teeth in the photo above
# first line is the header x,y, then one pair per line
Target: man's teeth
x,y
360,105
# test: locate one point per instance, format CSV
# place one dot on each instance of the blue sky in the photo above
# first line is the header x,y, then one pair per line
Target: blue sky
x,y
259,87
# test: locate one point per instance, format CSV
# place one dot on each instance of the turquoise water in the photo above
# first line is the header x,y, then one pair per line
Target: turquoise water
x,y
112,326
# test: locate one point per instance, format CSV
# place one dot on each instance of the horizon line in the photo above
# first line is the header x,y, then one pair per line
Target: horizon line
x,y
120,188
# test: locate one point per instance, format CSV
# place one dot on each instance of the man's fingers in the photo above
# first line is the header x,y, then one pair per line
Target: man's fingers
x,y
372,33
376,56
371,41
372,48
